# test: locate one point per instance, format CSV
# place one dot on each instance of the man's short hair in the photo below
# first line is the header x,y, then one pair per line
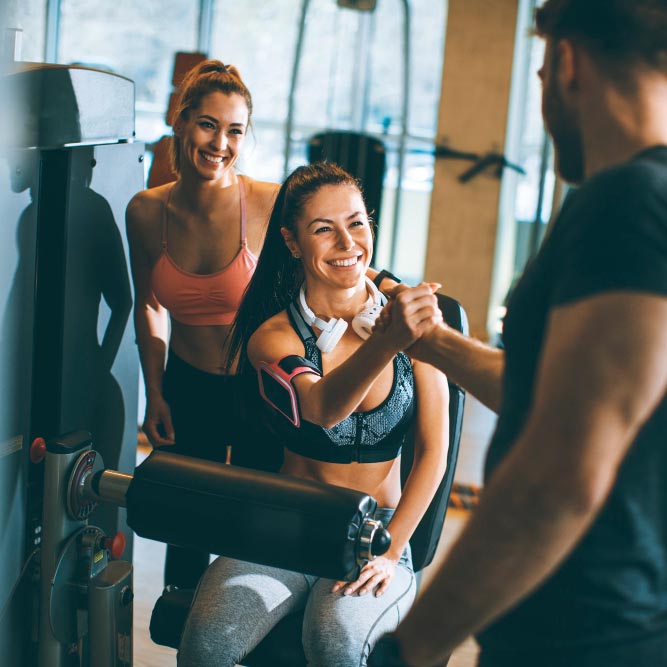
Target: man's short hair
x,y
619,33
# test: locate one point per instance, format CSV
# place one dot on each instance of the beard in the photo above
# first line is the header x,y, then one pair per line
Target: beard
x,y
562,126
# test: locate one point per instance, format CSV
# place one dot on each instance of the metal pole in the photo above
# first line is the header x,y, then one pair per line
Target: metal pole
x,y
367,75
205,26
360,74
52,31
292,90
108,486
332,95
404,134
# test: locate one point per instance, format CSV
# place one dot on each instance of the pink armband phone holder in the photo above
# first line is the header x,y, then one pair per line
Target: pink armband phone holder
x,y
276,388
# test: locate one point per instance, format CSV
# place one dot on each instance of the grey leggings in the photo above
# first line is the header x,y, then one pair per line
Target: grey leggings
x,y
238,603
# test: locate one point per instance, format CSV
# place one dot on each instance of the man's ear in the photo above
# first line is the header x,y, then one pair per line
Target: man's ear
x,y
290,242
567,64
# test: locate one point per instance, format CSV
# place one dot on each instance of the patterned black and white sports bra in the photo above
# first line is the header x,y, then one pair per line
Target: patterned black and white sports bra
x,y
365,437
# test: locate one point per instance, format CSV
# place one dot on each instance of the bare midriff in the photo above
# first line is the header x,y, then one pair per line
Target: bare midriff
x,y
204,347
380,480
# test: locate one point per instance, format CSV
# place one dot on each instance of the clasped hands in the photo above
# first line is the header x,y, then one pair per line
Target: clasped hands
x,y
411,316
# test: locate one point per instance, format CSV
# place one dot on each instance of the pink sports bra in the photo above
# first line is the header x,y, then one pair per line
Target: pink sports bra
x,y
203,300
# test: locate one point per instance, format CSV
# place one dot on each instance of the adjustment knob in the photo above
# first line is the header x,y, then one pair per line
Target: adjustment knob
x,y
115,545
374,540
38,450
126,596
381,542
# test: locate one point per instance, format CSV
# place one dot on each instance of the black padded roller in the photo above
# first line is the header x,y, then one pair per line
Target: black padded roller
x,y
255,516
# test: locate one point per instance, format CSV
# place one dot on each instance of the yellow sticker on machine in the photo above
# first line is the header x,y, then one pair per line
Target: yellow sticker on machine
x,y
98,556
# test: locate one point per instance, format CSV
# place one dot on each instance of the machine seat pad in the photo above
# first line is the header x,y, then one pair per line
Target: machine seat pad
x,y
169,614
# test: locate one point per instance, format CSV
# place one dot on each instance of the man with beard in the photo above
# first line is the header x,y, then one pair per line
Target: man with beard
x,y
564,563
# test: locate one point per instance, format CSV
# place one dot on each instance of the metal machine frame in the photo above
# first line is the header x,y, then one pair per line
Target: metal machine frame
x,y
86,598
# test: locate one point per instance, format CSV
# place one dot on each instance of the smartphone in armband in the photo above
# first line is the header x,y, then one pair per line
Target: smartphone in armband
x,y
276,388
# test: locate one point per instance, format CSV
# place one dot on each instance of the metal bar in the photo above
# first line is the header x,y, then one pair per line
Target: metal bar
x,y
333,68
112,487
369,68
205,26
403,136
313,129
293,84
52,31
360,74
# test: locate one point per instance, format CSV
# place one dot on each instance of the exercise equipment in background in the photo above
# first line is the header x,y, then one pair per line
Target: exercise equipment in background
x,y
358,151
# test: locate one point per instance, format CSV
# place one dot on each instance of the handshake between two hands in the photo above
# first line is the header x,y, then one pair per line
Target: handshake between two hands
x,y
411,315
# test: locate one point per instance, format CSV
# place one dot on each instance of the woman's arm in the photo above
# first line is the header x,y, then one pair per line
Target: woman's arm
x,y
430,457
430,461
151,328
330,399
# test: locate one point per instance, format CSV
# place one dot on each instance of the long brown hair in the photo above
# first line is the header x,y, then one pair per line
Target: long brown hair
x,y
278,275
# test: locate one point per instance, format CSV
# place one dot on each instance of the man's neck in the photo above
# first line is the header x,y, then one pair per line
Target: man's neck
x,y
622,124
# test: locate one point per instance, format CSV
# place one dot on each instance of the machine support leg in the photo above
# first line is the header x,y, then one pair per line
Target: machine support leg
x,y
85,599
57,528
110,616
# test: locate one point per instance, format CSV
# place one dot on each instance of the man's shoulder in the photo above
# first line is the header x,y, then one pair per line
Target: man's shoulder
x,y
633,189
641,174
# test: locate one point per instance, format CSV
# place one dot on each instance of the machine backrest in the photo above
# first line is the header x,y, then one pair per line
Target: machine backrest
x,y
361,155
425,539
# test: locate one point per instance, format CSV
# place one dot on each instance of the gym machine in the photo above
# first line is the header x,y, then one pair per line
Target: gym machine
x,y
282,647
68,168
86,595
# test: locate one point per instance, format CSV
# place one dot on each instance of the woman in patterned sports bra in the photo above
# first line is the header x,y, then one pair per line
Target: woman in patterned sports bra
x,y
193,246
355,401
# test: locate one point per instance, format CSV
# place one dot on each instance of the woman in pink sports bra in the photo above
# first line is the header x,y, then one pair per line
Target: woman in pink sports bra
x,y
193,247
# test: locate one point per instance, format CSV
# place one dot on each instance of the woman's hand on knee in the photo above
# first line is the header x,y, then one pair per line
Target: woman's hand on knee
x,y
374,577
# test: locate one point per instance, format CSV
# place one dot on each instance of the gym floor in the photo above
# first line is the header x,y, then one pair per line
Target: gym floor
x,y
149,556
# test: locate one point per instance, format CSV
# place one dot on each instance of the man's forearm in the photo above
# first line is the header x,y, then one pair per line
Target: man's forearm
x,y
557,476
475,367
528,521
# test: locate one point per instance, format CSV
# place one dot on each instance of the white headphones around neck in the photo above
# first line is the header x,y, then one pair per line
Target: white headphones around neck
x,y
333,329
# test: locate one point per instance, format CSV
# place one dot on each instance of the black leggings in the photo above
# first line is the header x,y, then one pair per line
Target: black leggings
x,y
211,412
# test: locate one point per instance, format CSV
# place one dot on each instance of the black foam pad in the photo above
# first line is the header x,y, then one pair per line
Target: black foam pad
x,y
250,515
